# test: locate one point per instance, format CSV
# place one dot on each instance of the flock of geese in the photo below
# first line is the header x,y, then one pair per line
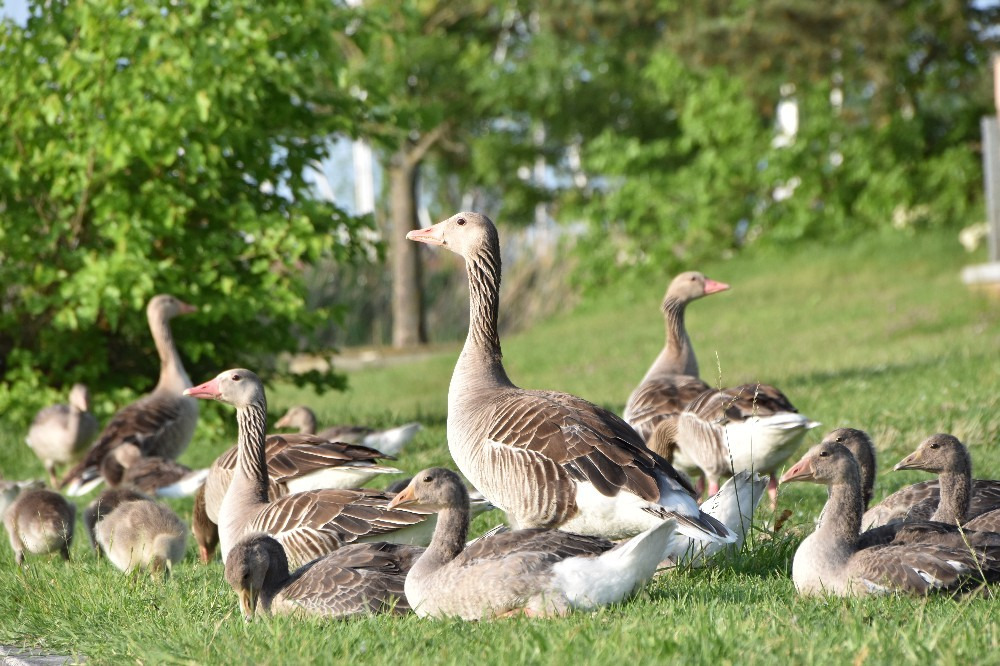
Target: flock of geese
x,y
595,502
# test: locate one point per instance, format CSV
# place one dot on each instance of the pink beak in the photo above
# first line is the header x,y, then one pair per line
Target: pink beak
x,y
431,235
712,287
186,308
209,390
800,471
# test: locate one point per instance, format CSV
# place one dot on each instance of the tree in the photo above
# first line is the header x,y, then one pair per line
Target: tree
x,y
160,147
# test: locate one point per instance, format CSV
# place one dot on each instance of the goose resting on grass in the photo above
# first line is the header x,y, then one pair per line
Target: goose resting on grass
x,y
160,423
360,579
153,475
40,521
142,534
548,459
308,524
60,433
829,560
390,441
535,571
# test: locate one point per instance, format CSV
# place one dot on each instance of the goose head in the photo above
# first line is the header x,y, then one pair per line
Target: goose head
x,y
127,454
692,285
827,463
938,453
860,445
247,567
238,387
79,397
465,234
297,417
433,489
164,307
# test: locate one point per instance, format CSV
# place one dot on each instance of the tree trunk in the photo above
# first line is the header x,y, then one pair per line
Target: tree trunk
x,y
408,327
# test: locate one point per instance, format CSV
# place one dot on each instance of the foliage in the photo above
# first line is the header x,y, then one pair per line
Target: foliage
x,y
161,147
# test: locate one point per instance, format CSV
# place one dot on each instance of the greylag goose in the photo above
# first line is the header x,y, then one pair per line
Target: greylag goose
x,y
672,381
751,416
548,459
534,571
957,503
389,441
360,579
142,534
60,433
830,561
719,433
153,475
308,524
160,423
296,463
40,521
103,504
206,532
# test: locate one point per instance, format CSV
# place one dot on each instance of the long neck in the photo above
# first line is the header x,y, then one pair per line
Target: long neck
x,y
249,484
840,521
448,541
308,424
173,377
677,357
480,364
955,496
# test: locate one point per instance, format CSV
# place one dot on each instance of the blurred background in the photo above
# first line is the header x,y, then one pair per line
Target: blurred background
x,y
264,160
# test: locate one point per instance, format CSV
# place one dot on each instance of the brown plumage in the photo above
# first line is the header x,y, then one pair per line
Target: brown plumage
x,y
40,521
360,579
389,441
830,561
206,532
160,423
308,524
126,466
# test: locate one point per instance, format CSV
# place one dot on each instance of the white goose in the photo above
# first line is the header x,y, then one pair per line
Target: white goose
x,y
548,459
308,524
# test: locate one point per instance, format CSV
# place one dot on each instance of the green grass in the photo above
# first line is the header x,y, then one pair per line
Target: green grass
x,y
880,335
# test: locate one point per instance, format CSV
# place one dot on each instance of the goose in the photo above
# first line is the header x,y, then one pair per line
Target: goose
x,y
946,455
40,521
160,423
745,417
390,441
9,490
206,532
296,463
308,524
142,534
153,475
672,380
719,433
534,571
829,560
359,579
548,459
103,504
59,433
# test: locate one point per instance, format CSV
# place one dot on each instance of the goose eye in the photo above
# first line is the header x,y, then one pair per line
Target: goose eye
x,y
236,377
824,454
428,479
460,221
839,440
935,446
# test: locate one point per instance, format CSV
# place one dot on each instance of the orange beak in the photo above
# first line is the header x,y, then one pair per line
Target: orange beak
x,y
431,235
800,471
404,497
712,287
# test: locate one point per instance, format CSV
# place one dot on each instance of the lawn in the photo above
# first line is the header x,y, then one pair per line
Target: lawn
x,y
879,335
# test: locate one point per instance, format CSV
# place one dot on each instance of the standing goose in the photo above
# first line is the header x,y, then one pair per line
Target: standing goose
x,y
390,441
360,579
308,524
40,521
153,475
830,561
160,423
534,571
672,381
142,534
548,459
745,417
59,433
747,428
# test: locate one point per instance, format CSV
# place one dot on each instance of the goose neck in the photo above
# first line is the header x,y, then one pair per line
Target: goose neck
x,y
677,357
481,361
449,535
172,374
953,506
840,522
249,482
